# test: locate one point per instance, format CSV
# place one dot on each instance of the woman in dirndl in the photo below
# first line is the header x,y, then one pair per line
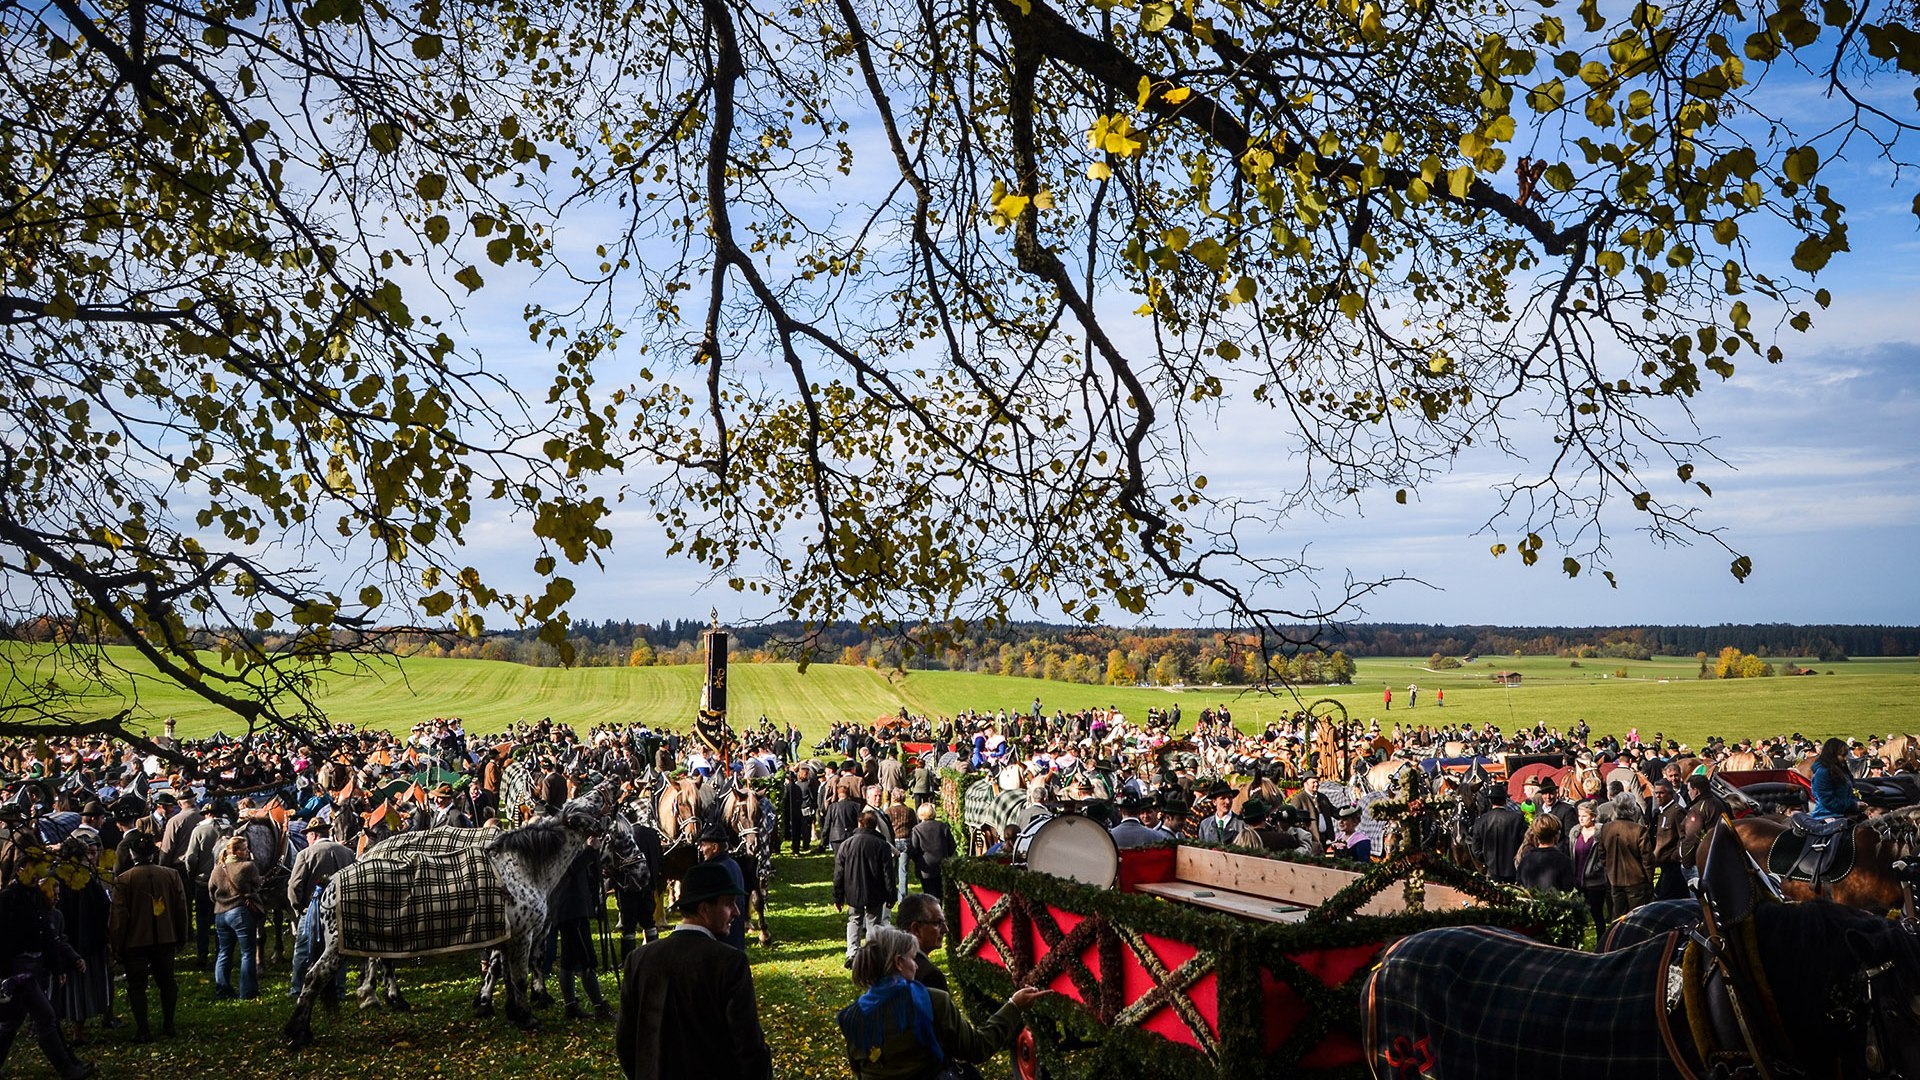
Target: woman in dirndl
x,y
83,905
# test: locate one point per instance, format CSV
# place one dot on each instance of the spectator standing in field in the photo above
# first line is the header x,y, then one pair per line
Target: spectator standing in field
x,y
1497,836
863,881
234,886
1668,818
930,844
147,924
1543,865
1590,863
687,1009
1627,848
921,916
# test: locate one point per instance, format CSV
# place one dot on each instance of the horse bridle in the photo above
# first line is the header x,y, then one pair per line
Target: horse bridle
x,y
1876,1001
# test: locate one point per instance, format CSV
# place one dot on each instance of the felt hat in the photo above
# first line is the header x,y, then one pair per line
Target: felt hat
x,y
1220,791
1547,786
1349,812
1133,804
444,789
705,881
1254,811
166,798
714,834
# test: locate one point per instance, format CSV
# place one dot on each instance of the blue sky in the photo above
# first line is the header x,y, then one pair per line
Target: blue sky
x,y
1818,485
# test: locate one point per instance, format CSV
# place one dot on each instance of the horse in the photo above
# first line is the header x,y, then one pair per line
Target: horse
x,y
1867,881
676,810
528,862
1478,1001
1902,753
750,818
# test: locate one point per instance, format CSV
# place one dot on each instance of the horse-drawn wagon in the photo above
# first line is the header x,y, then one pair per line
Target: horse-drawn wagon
x,y
1194,960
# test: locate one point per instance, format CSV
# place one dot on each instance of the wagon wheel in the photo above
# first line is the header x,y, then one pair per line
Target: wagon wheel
x,y
1026,1058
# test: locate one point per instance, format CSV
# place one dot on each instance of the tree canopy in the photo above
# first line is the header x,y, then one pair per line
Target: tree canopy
x,y
918,313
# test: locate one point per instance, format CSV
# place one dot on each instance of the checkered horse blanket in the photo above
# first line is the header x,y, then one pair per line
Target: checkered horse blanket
x,y
417,894
1476,1002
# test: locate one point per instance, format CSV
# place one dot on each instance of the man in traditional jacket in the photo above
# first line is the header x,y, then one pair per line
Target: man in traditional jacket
x,y
687,1010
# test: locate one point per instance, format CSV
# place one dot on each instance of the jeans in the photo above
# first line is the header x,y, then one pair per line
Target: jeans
x,y
861,920
234,930
900,868
308,944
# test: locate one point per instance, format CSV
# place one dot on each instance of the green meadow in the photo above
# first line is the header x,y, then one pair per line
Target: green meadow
x,y
1857,697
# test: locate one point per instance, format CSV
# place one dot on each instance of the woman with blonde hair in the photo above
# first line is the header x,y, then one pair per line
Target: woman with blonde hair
x,y
899,1029
235,888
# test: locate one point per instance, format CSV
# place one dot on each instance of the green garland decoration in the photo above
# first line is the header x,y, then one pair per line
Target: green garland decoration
x,y
1079,1042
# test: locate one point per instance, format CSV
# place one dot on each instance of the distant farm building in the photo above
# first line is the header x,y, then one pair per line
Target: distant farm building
x,y
1507,678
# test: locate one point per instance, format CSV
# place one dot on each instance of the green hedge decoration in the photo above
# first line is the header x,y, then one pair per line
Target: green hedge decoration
x,y
1078,1043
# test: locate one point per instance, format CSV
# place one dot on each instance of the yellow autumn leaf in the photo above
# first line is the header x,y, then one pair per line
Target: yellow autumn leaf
x,y
1114,134
1098,171
1176,95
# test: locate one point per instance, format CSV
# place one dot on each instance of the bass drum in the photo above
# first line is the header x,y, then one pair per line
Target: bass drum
x,y
1070,846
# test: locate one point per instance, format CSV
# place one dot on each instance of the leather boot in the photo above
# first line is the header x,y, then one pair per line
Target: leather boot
x,y
570,993
60,1056
601,1010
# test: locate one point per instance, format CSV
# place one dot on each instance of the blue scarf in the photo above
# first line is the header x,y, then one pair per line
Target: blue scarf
x,y
893,1005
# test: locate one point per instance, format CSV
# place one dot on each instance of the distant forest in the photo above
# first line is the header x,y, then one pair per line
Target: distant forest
x,y
1154,656
1099,655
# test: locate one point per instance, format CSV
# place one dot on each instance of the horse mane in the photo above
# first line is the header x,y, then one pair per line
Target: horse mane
x,y
539,841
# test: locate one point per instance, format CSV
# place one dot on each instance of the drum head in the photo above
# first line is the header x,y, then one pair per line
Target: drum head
x,y
1076,848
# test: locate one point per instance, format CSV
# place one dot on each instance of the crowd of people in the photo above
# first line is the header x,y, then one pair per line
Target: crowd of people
x,y
118,864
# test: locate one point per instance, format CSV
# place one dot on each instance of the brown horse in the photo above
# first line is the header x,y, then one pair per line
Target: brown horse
x,y
743,814
1741,761
1871,884
676,810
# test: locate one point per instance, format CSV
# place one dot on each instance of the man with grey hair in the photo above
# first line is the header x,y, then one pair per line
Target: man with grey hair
x,y
1038,795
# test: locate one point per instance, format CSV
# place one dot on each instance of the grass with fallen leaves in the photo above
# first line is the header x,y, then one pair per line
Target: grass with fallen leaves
x,y
800,984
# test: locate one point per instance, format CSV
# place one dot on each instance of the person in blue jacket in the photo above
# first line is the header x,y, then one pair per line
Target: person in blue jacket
x,y
1833,782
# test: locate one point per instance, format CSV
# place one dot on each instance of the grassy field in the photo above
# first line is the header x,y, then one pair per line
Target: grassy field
x,y
799,982
1859,697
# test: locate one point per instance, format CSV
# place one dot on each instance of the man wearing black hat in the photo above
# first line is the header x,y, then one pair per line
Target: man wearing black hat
x,y
1548,801
1223,826
146,926
1138,827
712,844
687,1009
1498,834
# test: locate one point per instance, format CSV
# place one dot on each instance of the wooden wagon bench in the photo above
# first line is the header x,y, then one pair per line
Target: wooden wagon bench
x,y
1275,890
1205,961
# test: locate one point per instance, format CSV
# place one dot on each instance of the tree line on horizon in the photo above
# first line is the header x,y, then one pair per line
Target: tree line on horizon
x,y
1119,657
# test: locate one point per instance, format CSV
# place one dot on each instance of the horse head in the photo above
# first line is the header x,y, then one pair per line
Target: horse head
x,y
1881,999
589,811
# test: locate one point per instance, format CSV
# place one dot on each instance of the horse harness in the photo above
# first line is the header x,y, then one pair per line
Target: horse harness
x,y
1814,851
1729,1007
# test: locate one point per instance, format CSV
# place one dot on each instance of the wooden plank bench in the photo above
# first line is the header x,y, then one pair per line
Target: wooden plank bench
x,y
1273,890
1245,905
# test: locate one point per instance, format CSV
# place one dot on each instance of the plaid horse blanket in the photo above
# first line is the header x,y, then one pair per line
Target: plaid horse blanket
x,y
1473,1002
423,893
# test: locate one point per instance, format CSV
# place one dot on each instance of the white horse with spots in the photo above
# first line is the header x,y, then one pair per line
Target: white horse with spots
x,y
529,861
